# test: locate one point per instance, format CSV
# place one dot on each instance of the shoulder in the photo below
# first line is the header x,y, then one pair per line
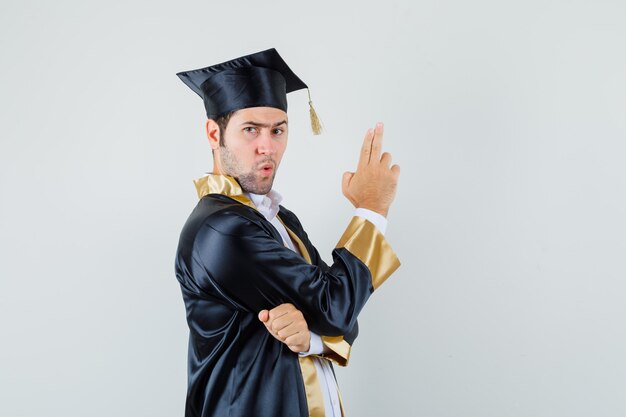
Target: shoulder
x,y
221,213
218,217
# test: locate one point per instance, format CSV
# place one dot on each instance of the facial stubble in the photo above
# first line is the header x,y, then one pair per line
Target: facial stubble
x,y
250,181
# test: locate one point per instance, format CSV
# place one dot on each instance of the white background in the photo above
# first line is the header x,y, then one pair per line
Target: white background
x,y
507,119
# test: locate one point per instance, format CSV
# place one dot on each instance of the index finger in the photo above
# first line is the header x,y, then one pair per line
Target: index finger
x,y
281,310
366,149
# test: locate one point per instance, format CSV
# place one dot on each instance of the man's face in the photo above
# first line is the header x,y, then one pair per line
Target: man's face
x,y
254,142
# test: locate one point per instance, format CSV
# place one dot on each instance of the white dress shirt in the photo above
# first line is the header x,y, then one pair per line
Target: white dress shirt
x,y
268,206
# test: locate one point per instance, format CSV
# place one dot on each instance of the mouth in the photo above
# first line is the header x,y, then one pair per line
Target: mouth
x,y
267,168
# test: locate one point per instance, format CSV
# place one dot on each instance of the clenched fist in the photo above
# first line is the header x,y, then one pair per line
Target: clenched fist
x,y
373,185
287,324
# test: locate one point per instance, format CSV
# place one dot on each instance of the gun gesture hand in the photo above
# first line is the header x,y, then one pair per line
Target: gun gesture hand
x,y
373,185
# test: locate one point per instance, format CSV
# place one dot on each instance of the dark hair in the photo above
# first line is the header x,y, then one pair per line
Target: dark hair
x,y
222,123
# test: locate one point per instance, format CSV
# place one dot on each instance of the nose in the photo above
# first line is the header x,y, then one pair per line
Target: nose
x,y
266,145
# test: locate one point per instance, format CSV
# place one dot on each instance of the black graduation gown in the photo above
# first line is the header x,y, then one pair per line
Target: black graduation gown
x,y
231,264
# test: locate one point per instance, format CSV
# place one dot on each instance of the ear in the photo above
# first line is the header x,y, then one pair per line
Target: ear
x,y
213,133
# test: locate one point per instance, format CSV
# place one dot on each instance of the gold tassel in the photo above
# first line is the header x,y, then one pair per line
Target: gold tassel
x,y
316,124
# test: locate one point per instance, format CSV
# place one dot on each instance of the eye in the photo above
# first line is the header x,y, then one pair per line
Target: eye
x,y
250,129
278,131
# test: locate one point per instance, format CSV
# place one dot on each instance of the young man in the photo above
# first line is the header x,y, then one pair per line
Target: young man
x,y
252,282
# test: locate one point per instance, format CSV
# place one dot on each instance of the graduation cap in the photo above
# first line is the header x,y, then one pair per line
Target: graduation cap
x,y
262,79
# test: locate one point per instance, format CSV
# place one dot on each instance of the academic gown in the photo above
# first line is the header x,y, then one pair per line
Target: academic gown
x,y
231,263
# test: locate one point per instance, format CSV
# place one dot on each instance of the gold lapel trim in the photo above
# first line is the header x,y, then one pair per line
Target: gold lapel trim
x,y
301,247
224,185
314,399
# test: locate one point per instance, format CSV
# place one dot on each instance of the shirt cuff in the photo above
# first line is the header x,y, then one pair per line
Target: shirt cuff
x,y
376,219
316,347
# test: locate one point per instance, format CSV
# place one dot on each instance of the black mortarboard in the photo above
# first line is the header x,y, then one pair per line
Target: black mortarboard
x,y
262,79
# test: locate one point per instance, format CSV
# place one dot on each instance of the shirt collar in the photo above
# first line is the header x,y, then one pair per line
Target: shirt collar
x,y
267,204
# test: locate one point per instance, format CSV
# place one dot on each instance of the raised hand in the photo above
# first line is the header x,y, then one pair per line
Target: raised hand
x,y
373,185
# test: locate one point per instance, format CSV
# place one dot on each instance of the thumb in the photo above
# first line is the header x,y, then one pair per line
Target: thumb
x,y
345,182
264,315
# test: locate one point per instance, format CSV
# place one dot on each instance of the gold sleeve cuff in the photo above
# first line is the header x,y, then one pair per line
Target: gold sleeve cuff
x,y
364,240
339,349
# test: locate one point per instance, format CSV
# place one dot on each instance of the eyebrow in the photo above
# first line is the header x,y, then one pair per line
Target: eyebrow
x,y
257,124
